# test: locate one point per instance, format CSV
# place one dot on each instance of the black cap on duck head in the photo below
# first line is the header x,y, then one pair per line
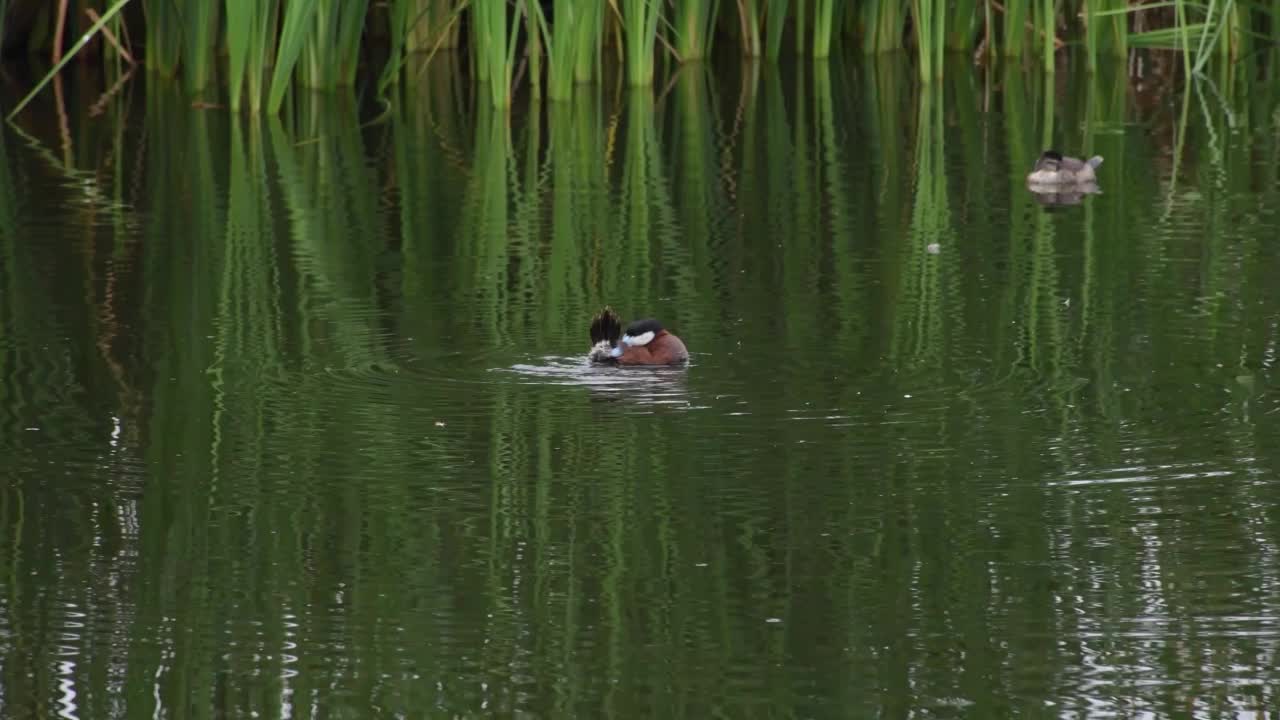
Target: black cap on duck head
x,y
640,332
1049,160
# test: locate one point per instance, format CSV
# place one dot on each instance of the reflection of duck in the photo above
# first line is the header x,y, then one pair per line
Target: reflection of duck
x,y
1053,168
1058,195
645,342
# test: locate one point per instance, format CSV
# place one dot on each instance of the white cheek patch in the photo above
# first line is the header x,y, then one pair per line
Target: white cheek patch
x,y
639,340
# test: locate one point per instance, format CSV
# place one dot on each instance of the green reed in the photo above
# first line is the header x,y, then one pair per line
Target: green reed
x,y
885,23
586,61
1014,28
295,27
332,46
693,27
640,36
271,45
964,23
494,33
930,28
201,20
93,29
1047,21
750,18
426,25
419,27
1105,27
250,50
775,22
164,33
824,18
574,29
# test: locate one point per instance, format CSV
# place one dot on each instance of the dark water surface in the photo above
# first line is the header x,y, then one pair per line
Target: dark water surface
x,y
294,419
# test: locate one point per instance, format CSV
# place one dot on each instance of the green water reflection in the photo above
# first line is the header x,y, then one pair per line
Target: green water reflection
x,y
295,421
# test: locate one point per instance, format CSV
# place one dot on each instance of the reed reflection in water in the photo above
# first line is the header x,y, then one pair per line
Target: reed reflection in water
x,y
298,422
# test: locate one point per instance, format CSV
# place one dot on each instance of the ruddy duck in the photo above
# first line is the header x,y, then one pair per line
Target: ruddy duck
x,y
645,342
1055,169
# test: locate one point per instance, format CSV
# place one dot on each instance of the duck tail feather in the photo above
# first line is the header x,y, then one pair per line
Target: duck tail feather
x,y
606,326
1095,161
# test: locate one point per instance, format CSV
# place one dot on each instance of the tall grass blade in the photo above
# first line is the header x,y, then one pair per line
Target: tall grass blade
x,y
692,24
495,46
824,12
749,21
775,22
298,15
1015,19
640,30
201,24
1047,21
590,29
960,31
164,31
84,40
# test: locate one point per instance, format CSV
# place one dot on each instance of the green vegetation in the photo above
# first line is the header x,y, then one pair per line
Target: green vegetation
x,y
270,46
278,310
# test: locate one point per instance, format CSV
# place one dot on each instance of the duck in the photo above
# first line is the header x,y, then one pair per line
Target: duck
x,y
643,342
1054,168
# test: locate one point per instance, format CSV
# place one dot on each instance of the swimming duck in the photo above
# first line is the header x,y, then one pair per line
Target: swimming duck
x,y
1053,168
644,342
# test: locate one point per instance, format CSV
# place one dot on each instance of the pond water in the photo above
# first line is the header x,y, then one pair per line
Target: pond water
x,y
295,420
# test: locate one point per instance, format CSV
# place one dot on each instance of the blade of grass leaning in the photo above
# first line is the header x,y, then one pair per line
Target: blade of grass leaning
x,y
693,23
749,22
240,14
1211,38
404,27
640,30
297,23
350,33
928,19
263,45
1091,31
201,24
250,49
775,20
590,28
1015,18
164,25
823,20
495,43
561,43
960,32
534,47
1047,19
799,26
84,40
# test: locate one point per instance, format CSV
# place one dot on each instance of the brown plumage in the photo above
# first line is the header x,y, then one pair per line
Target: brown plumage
x,y
645,342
